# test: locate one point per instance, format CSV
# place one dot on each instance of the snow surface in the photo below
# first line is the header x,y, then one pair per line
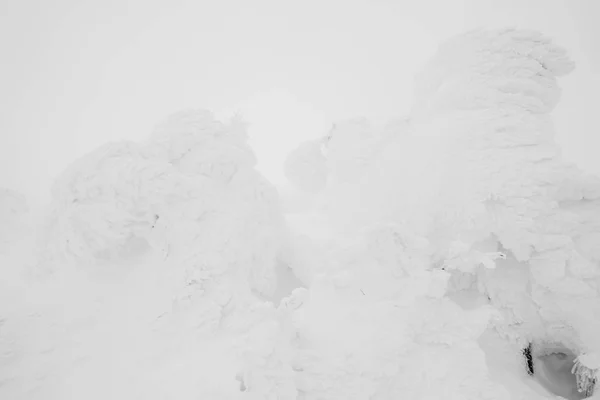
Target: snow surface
x,y
412,260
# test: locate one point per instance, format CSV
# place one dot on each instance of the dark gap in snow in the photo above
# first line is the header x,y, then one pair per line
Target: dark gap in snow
x,y
528,359
552,367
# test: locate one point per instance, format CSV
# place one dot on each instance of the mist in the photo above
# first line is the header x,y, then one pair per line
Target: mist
x,y
299,200
77,75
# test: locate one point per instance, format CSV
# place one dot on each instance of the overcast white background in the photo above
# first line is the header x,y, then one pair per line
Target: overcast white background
x,y
75,74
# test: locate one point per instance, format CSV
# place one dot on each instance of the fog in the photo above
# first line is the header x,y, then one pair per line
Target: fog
x,y
75,75
299,201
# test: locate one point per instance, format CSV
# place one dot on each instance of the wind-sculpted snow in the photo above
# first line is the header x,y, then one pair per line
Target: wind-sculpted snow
x,y
484,102
513,69
476,172
190,190
171,317
197,144
165,249
503,176
209,212
500,161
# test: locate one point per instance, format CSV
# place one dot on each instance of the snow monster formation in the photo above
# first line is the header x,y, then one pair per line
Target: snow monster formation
x,y
486,100
172,191
475,173
189,199
190,190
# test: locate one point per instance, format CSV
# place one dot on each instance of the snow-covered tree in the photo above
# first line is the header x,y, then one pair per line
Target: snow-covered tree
x,y
477,173
342,156
485,101
469,191
191,190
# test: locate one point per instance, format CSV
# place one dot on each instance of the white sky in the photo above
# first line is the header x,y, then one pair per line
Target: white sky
x,y
75,74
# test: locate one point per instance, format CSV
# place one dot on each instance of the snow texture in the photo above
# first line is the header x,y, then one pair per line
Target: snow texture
x,y
187,213
190,191
439,246
475,170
